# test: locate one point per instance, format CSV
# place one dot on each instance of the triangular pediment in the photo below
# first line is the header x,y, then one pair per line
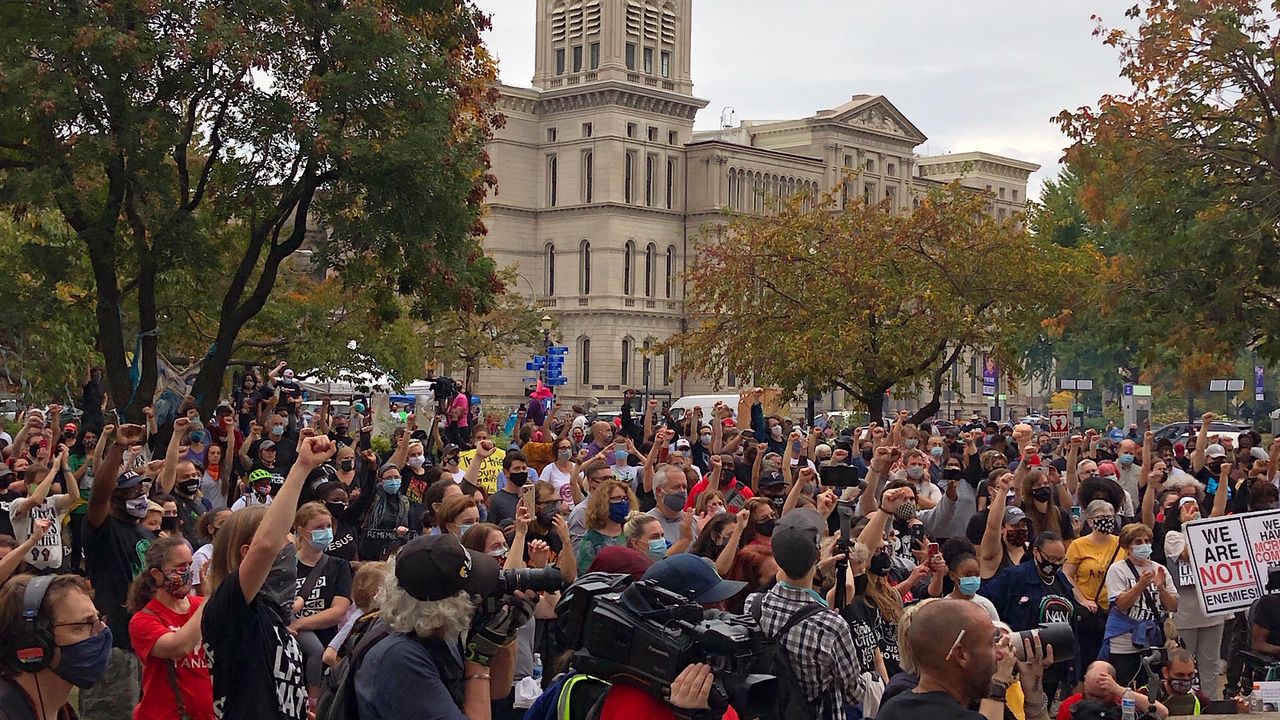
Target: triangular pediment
x,y
876,114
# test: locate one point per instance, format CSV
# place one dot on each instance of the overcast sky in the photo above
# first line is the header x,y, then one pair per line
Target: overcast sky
x,y
972,75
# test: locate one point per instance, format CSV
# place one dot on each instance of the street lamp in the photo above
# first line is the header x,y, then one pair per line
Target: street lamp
x,y
545,323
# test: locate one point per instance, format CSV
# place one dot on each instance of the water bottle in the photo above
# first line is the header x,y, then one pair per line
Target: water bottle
x,y
537,667
1255,699
1128,707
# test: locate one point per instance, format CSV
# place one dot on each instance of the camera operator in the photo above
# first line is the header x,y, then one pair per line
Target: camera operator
x,y
1100,685
696,577
1177,685
428,602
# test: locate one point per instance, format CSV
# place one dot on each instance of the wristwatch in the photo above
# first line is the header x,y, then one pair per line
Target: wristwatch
x,y
997,691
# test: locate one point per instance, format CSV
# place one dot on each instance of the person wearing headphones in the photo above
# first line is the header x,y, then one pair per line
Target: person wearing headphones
x,y
54,640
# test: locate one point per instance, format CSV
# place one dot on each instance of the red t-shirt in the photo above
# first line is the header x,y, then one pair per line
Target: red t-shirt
x,y
194,681
743,493
630,703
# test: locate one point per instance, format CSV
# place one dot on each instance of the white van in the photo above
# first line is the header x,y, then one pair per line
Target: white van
x,y
706,402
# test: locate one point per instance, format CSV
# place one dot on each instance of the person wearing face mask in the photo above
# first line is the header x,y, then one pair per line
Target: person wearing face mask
x,y
457,514
714,536
40,505
54,641
114,542
561,471
1037,496
545,529
323,586
1004,539
670,489
643,533
962,569
1200,633
515,474
259,490
1179,691
251,588
386,523
1088,559
607,510
165,632
182,477
207,527
723,480
1138,589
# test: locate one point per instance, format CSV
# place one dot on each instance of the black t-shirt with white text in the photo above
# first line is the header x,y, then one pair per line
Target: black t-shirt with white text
x,y
334,581
256,664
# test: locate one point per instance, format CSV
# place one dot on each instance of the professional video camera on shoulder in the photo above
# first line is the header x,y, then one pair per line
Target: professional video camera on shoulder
x,y
644,635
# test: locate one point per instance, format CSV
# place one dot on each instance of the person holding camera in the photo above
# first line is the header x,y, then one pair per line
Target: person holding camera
x,y
430,599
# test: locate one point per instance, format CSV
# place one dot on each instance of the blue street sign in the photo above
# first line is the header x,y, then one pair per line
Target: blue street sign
x,y
529,366
1128,389
558,350
538,361
558,381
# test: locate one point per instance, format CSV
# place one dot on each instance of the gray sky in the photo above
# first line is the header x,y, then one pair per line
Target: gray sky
x,y
972,75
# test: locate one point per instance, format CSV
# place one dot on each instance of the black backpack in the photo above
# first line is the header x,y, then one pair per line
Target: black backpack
x,y
790,702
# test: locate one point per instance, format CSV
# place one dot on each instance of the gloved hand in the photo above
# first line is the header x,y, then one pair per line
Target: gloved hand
x,y
491,631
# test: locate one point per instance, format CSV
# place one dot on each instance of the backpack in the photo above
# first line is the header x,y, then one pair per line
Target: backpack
x,y
789,701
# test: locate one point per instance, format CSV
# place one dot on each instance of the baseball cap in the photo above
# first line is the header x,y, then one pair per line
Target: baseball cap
x,y
199,437
5,470
266,445
1215,451
682,444
1258,453
795,541
69,427
694,576
128,479
1013,515
771,477
288,373
1187,499
450,448
1107,469
435,567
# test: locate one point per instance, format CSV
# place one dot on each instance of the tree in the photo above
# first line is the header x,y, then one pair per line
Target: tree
x,y
476,340
219,137
864,299
1181,174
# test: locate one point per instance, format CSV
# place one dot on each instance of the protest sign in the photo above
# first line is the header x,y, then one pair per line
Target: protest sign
x,y
1231,556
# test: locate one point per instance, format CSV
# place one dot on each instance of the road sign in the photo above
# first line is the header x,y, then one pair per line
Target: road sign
x,y
1077,408
1059,423
558,350
558,381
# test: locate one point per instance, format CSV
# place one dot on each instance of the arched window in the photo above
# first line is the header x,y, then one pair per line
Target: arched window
x,y
733,188
646,364
549,278
584,352
628,266
666,368
650,267
671,271
626,362
584,268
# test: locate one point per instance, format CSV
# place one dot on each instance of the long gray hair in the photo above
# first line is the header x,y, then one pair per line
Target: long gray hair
x,y
404,613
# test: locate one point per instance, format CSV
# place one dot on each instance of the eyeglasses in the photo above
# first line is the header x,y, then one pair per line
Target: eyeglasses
x,y
91,627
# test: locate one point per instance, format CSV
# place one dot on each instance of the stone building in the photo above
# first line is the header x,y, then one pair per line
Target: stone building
x,y
604,187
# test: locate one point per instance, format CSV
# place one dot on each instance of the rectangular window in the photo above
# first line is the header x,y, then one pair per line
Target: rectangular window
x,y
559,61
588,176
631,130
628,179
586,362
631,56
869,193
595,55
649,161
1015,196
586,129
666,63
848,161
671,182
673,138
552,180
1001,193
577,58
666,368
653,134
891,170
871,165
551,135
1002,214
626,362
648,61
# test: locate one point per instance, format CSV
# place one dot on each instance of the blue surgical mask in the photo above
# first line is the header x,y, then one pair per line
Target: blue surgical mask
x,y
910,443
658,548
620,457
1126,458
463,528
969,585
1142,552
391,485
322,538
277,430
619,510
936,451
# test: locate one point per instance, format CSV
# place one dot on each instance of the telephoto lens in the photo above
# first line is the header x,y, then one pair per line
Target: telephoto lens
x,y
546,579
1058,636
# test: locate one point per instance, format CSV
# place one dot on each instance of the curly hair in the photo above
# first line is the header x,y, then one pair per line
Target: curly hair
x,y
597,514
404,613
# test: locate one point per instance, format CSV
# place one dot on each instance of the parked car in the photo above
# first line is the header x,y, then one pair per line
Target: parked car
x,y
1182,429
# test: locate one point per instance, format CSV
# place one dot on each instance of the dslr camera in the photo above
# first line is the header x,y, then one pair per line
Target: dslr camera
x,y
645,635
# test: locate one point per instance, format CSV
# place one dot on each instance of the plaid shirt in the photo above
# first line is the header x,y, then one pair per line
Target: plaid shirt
x,y
820,647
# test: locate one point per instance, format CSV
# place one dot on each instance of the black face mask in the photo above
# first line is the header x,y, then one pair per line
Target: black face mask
x,y
189,488
518,479
336,509
765,528
1047,569
866,455
880,564
347,465
1042,494
340,431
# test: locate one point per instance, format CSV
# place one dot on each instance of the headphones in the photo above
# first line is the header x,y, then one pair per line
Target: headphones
x,y
33,641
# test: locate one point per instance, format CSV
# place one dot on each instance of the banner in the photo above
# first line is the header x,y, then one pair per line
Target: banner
x,y
1259,383
989,376
1230,556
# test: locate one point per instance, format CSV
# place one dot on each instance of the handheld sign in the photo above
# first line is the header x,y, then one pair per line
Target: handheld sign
x,y
1230,557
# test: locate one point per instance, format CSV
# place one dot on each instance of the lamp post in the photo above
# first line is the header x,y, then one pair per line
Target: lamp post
x,y
545,324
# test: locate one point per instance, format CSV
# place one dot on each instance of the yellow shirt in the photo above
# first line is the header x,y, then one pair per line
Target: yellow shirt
x,y
489,469
1091,561
1016,701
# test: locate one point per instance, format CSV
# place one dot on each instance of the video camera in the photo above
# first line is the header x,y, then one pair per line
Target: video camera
x,y
548,579
646,635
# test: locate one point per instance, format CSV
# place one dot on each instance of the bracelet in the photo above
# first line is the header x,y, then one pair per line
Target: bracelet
x,y
478,676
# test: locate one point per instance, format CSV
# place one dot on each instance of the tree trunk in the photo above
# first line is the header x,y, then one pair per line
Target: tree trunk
x,y
931,408
875,406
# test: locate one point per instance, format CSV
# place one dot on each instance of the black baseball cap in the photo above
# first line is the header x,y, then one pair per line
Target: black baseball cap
x,y
771,477
694,576
795,541
128,479
435,567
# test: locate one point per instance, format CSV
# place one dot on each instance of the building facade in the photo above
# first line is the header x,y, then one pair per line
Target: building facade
x,y
604,189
